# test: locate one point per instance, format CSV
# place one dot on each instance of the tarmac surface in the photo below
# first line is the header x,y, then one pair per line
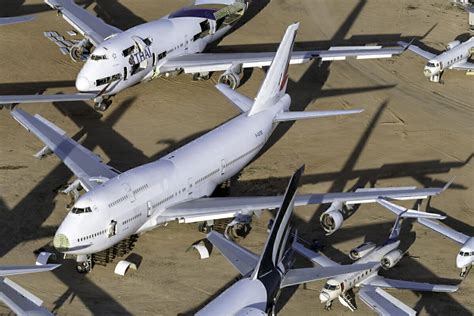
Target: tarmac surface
x,y
412,132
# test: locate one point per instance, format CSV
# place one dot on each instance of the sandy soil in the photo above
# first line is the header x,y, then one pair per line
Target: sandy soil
x,y
412,132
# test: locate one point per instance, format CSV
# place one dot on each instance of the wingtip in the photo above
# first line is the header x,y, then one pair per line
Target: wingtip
x,y
448,184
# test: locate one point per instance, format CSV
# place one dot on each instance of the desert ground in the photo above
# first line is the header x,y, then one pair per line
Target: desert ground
x,y
412,133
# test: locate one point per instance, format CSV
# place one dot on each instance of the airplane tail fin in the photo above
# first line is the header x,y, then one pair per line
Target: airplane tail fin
x,y
279,239
274,85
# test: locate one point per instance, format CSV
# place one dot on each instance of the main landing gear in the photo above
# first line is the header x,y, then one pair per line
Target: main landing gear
x,y
465,271
102,103
84,264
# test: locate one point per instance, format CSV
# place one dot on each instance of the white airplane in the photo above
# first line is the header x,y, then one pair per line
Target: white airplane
x,y
18,299
369,281
263,276
465,257
164,47
16,19
118,205
456,57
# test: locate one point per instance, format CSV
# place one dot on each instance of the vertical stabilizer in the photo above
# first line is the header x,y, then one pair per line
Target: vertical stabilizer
x,y
277,241
274,85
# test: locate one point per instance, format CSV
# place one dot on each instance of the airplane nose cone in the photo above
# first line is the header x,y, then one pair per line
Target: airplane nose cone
x,y
61,242
82,84
323,297
460,262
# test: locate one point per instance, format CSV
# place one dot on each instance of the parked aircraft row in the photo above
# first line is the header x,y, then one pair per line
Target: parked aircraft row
x,y
117,206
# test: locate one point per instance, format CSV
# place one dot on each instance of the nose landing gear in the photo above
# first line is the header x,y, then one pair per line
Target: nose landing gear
x,y
84,264
102,103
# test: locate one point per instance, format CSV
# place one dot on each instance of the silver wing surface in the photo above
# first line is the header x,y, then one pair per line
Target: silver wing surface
x,y
242,259
19,300
463,66
405,212
216,208
222,61
305,275
86,166
89,26
315,257
383,303
15,270
444,230
16,19
423,53
38,98
379,281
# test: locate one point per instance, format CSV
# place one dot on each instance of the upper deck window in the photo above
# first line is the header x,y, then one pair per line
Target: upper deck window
x,y
77,210
98,57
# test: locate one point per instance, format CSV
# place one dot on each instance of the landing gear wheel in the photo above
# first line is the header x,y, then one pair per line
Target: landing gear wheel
x,y
103,105
205,228
201,76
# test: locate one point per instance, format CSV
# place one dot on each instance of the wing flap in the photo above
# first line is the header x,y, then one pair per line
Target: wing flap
x,y
82,162
242,259
383,303
88,25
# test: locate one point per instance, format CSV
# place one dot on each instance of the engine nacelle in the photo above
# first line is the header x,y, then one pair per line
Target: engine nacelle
x,y
391,259
332,219
80,51
452,44
239,227
360,251
232,76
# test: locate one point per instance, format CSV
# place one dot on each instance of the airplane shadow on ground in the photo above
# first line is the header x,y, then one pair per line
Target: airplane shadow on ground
x,y
18,7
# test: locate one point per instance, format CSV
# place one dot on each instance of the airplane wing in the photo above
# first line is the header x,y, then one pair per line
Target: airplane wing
x,y
38,98
242,259
463,66
217,208
19,300
405,212
379,281
85,23
423,53
86,166
305,275
15,270
383,303
16,19
444,230
222,61
315,257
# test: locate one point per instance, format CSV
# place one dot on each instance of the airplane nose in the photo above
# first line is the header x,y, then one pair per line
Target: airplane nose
x,y
324,297
61,242
82,84
427,72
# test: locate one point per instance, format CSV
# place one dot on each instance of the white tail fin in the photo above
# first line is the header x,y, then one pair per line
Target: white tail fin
x,y
274,85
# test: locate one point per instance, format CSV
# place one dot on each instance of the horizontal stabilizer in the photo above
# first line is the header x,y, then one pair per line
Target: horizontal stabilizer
x,y
242,259
242,102
384,303
407,213
42,98
305,275
293,116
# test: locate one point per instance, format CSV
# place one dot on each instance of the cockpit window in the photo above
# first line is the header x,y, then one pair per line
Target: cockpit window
x,y
430,65
98,57
77,210
127,51
466,254
330,287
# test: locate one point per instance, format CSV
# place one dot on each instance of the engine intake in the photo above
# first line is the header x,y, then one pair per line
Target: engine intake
x,y
360,251
391,259
232,76
332,219
452,44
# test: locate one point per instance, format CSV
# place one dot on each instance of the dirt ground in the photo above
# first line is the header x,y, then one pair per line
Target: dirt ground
x,y
412,132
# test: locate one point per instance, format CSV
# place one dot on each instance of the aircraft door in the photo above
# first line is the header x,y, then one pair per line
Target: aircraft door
x,y
112,229
149,208
223,166
190,186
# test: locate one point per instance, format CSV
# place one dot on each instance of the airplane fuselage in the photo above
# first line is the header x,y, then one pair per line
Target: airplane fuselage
x,y
465,257
135,55
449,58
132,202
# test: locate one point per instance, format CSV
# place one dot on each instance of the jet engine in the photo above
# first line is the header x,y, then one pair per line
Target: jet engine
x,y
232,76
391,259
331,220
360,251
452,44
239,227
80,51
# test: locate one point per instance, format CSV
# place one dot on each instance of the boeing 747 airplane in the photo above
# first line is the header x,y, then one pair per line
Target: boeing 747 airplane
x,y
177,187
116,60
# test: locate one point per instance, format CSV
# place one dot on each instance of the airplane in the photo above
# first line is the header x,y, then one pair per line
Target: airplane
x,y
456,57
369,281
263,276
117,206
16,19
465,257
164,47
18,299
